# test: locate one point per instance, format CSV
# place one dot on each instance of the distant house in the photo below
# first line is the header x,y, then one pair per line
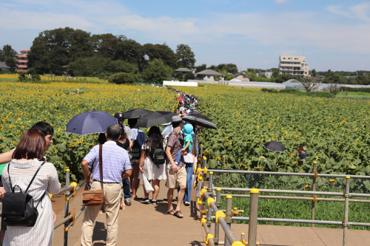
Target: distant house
x,y
3,66
241,76
207,75
267,74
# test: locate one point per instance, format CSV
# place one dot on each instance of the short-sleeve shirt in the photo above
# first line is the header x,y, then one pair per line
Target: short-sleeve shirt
x,y
115,162
188,138
303,156
174,141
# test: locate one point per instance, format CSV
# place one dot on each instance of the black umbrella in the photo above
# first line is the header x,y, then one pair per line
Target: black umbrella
x,y
155,118
275,146
136,113
197,118
90,122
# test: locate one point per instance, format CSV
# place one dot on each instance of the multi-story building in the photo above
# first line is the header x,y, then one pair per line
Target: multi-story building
x,y
22,61
293,65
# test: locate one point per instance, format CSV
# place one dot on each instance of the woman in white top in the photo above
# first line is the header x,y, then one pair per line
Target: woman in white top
x,y
27,158
147,167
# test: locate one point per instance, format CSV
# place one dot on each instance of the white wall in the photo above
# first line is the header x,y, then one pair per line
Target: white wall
x,y
176,83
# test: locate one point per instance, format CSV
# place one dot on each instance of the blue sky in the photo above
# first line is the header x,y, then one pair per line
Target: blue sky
x,y
332,34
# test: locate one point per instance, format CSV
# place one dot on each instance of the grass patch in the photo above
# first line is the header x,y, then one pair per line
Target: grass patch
x,y
353,95
298,209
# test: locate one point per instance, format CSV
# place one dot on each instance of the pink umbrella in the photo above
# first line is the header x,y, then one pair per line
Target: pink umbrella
x,y
180,99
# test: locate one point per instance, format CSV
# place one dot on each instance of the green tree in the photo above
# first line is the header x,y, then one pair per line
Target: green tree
x,y
227,75
131,51
156,72
54,49
313,73
189,76
184,56
104,45
160,51
7,52
230,68
121,78
200,68
97,65
275,72
11,62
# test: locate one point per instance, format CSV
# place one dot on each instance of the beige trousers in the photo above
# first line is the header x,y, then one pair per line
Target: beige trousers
x,y
111,206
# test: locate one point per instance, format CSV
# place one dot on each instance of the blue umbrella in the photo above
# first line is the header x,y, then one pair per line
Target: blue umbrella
x,y
90,122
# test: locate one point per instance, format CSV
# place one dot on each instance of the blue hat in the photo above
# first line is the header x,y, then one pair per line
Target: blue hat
x,y
188,129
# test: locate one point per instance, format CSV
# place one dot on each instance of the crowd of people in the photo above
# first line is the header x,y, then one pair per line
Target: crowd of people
x,y
128,157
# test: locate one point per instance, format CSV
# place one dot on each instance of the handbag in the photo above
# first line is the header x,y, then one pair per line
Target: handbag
x,y
95,197
19,208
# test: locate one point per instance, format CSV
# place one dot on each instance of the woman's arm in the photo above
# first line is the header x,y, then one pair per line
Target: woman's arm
x,y
53,184
6,157
142,159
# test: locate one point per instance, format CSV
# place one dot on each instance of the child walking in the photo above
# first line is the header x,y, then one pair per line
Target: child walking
x,y
188,142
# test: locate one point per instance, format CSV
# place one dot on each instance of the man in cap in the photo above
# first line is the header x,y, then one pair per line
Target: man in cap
x,y
175,173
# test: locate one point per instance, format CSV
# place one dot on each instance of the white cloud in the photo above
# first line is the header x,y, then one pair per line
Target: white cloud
x,y
359,11
281,1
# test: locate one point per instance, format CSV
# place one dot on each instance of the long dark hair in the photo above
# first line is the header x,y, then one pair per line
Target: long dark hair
x,y
155,141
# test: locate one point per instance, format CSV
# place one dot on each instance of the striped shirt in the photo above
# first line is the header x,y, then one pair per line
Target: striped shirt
x,y
115,162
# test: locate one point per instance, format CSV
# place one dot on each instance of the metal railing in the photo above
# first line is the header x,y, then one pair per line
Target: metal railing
x,y
204,194
70,190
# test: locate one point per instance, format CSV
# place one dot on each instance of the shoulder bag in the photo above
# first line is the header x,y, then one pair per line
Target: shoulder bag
x,y
19,208
95,197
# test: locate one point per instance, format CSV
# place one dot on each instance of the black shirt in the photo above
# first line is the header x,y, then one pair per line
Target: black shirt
x,y
125,145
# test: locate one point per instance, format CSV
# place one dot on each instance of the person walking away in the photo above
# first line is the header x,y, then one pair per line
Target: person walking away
x,y
188,142
126,144
175,173
116,166
147,166
138,138
128,136
27,159
6,157
190,161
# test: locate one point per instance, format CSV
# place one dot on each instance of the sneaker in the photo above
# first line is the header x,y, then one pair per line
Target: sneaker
x,y
154,202
187,203
145,200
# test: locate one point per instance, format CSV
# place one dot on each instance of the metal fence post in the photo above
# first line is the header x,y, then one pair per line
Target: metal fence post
x,y
217,225
229,216
66,212
346,207
253,215
210,193
313,189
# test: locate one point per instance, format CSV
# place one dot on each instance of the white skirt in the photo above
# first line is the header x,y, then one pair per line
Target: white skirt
x,y
152,172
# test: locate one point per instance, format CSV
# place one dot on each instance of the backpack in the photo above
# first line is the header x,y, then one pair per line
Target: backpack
x,y
19,208
159,157
135,151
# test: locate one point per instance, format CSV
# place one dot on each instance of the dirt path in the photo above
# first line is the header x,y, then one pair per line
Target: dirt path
x,y
142,224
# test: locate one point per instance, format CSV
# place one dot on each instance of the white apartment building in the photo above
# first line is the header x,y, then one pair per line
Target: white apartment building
x,y
294,65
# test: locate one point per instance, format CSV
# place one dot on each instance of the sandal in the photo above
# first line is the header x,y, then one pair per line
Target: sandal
x,y
171,212
178,214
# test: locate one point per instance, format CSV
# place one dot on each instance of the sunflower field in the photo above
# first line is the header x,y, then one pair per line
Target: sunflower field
x,y
24,104
334,131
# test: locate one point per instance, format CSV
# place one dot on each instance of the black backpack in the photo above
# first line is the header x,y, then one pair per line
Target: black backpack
x,y
159,157
135,151
19,208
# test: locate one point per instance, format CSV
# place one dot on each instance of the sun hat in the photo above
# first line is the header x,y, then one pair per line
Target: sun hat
x,y
176,118
188,129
